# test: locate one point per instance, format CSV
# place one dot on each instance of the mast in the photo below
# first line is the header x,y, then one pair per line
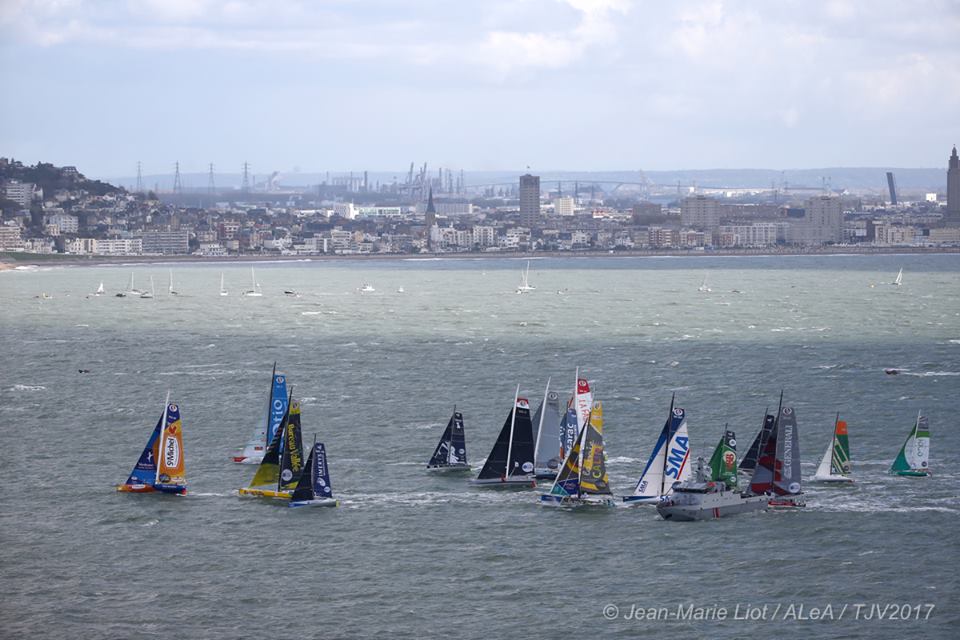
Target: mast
x,y
266,436
666,444
283,423
543,413
163,428
583,442
513,421
453,419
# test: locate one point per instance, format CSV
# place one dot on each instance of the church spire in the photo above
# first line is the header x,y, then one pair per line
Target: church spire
x,y
432,209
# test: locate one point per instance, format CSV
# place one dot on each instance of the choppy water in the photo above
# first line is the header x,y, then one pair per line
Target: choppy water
x,y
412,555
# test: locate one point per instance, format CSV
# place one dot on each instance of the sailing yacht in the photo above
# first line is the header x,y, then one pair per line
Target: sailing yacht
x,y
170,288
525,286
100,291
149,294
510,462
703,288
451,452
223,291
668,460
899,279
914,458
366,288
160,467
264,432
313,488
835,464
132,290
778,464
282,465
254,291
583,479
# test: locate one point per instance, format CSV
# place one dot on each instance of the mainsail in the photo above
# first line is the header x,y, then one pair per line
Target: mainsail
x,y
268,473
452,448
914,456
786,470
171,475
762,479
593,468
291,459
315,477
668,460
723,462
567,482
568,430
548,445
264,432
512,454
749,462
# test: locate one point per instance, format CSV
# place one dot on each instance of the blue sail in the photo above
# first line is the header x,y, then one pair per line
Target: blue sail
x,y
321,473
278,405
145,471
568,430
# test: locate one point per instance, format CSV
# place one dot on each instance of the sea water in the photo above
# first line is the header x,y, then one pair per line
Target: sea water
x,y
410,554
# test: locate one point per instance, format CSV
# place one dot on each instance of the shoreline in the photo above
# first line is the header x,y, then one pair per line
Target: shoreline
x,y
10,261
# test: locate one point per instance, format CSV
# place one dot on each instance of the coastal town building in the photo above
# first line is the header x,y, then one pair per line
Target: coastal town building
x,y
700,212
529,199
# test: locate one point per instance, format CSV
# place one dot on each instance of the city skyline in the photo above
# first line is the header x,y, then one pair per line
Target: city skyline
x,y
550,85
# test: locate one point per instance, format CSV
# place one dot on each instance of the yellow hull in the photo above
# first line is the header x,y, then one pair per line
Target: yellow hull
x,y
266,493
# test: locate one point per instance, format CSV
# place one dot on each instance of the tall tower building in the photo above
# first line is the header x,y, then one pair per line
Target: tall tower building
x,y
953,188
700,212
529,199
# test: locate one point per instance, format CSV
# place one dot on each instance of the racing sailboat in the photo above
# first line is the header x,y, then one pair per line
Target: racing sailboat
x,y
279,471
161,465
525,286
253,451
749,461
548,447
583,479
668,460
835,464
899,279
254,291
223,290
510,462
451,451
313,488
170,289
914,457
778,465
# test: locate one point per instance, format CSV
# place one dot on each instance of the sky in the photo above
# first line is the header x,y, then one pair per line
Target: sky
x,y
345,85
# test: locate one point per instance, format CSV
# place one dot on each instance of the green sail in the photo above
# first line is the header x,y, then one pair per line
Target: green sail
x,y
723,462
840,460
901,463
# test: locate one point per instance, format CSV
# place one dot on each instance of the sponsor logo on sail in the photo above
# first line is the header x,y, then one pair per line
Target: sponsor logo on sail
x,y
171,452
286,475
527,467
677,457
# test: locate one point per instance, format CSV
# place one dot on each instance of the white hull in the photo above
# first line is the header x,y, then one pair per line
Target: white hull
x,y
638,500
832,479
316,502
709,506
448,468
575,502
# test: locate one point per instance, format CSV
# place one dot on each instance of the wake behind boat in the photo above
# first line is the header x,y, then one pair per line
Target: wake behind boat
x,y
583,479
510,462
451,452
160,467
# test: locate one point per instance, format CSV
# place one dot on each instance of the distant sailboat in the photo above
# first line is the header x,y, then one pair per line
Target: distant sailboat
x,y
703,288
263,434
223,291
366,288
899,279
451,452
914,457
170,288
254,291
525,286
161,465
149,294
510,462
313,488
548,447
132,290
583,479
668,462
835,464
100,290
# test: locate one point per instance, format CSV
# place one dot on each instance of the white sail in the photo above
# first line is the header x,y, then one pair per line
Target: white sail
x,y
100,289
583,401
668,463
170,288
899,279
917,450
255,287
223,290
823,471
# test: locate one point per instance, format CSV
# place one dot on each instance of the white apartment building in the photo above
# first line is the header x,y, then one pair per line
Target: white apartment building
x,y
564,206
485,236
758,234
